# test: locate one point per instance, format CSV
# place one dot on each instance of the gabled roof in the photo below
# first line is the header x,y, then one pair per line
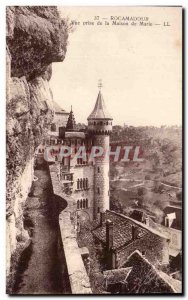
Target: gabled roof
x,y
122,229
144,278
100,111
58,109
116,275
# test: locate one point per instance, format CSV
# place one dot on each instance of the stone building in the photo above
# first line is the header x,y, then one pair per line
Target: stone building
x,y
121,235
139,276
60,118
87,181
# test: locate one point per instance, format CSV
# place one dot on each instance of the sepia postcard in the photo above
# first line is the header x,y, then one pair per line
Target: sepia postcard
x,y
94,150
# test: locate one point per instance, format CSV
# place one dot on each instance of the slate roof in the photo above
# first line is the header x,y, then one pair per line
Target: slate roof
x,y
116,275
145,278
122,230
100,111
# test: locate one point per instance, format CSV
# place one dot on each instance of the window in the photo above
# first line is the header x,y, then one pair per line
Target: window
x,y
86,203
98,210
78,204
53,127
86,183
81,183
98,190
98,170
78,184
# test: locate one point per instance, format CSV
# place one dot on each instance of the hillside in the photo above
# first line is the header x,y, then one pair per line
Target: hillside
x,y
153,183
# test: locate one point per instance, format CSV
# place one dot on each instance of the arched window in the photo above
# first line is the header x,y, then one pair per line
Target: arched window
x,y
101,123
86,183
94,123
98,170
81,183
78,184
78,204
84,203
98,190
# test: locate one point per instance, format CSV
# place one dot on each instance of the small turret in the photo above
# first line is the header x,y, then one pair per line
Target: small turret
x,y
71,123
100,121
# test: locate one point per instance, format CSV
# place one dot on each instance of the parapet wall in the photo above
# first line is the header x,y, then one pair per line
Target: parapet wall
x,y
79,280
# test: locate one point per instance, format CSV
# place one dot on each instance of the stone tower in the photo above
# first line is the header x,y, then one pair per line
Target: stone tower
x,y
100,127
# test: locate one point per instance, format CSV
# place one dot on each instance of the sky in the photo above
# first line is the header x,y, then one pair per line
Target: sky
x,y
140,66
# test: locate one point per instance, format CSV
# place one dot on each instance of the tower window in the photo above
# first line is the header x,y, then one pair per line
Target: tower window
x,y
78,204
101,123
98,210
98,190
78,184
81,183
86,203
98,170
86,183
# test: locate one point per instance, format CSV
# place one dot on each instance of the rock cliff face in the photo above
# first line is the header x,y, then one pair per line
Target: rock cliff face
x,y
36,37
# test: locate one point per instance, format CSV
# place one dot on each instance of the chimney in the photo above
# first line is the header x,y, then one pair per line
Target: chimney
x,y
134,232
147,221
102,218
109,235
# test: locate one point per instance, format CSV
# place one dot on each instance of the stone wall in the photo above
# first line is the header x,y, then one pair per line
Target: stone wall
x,y
77,275
101,177
85,171
36,37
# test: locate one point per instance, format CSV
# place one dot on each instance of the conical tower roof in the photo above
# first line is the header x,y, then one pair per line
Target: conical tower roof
x,y
71,123
100,111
